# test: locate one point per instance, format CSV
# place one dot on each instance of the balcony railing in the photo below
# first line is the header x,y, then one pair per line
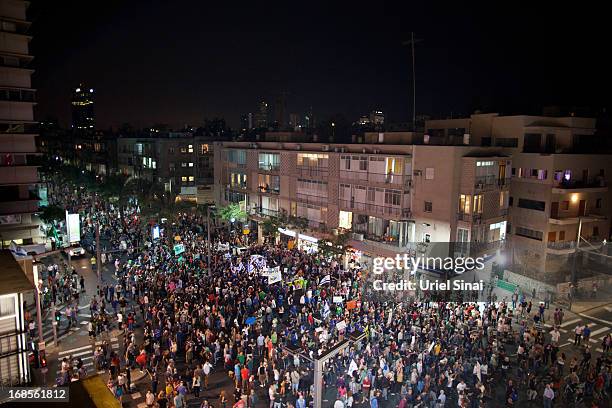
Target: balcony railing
x,y
381,178
575,184
561,244
269,167
372,208
269,189
473,218
311,199
264,212
489,182
17,95
305,171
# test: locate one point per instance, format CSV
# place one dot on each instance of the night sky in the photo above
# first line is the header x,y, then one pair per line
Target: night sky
x,y
178,62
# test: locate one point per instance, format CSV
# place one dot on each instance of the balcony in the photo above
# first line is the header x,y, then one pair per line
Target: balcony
x,y
19,207
264,212
486,183
471,218
269,189
568,247
593,186
392,180
374,209
315,172
311,199
269,167
13,175
575,219
17,95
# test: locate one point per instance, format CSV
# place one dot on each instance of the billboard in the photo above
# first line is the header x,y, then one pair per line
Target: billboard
x,y
73,227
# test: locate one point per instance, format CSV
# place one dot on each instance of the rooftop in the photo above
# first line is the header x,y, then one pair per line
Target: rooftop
x,y
13,278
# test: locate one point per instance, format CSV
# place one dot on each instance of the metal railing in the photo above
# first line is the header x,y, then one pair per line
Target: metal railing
x,y
382,178
306,171
372,208
595,183
474,218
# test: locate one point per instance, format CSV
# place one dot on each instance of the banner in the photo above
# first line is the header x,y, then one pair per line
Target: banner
x,y
179,249
73,227
274,275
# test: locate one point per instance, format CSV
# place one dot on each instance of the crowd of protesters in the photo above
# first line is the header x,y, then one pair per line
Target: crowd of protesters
x,y
198,318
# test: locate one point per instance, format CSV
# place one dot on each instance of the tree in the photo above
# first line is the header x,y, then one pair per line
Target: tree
x,y
232,211
335,246
52,214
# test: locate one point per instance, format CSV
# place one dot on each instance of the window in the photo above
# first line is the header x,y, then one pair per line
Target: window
x,y
191,178
561,235
236,156
204,148
269,161
184,178
312,159
462,235
542,174
485,163
428,207
190,148
429,173
183,164
531,204
503,198
513,171
478,199
464,203
510,201
392,197
363,163
596,231
371,194
268,183
598,203
171,167
558,175
190,164
565,205
529,233
238,180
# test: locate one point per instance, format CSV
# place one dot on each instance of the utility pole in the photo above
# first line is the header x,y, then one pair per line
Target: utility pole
x,y
411,42
98,265
208,234
54,324
38,284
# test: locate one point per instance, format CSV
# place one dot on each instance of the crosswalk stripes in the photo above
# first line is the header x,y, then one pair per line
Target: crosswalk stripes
x,y
565,324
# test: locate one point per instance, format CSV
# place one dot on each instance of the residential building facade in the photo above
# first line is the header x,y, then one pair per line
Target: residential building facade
x,y
18,131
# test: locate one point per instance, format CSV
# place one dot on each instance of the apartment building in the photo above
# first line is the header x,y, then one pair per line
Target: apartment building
x,y
559,183
180,161
390,196
18,164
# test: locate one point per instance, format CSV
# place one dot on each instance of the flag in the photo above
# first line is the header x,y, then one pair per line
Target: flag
x,y
17,250
326,279
352,368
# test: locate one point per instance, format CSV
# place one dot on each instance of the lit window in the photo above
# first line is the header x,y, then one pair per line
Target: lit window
x,y
184,178
190,164
190,148
191,178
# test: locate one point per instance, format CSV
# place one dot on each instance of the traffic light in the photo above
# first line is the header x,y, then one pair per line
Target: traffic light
x,y
42,359
58,316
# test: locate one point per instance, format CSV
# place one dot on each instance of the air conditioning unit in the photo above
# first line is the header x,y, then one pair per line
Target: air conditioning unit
x,y
298,147
336,149
325,148
357,237
254,146
364,150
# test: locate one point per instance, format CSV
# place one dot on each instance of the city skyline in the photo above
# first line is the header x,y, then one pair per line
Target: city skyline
x,y
177,65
